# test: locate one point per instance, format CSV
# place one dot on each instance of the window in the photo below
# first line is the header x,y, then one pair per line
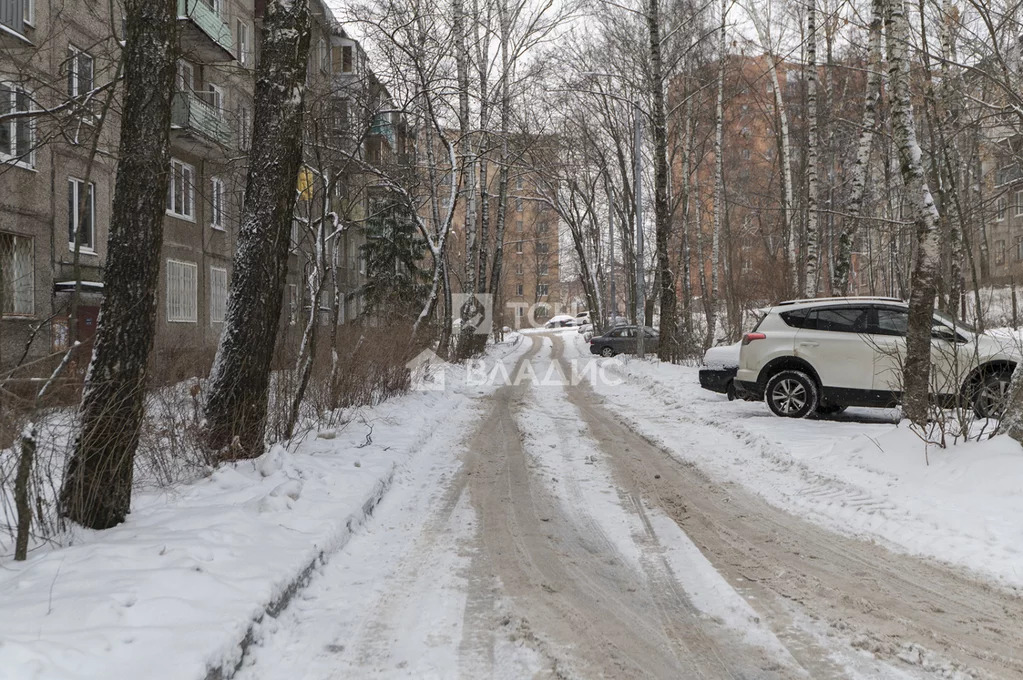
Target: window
x,y
81,214
17,135
218,294
518,182
542,312
518,246
80,73
518,290
324,53
181,288
518,225
518,204
1000,209
542,270
542,289
217,203
180,196
892,321
518,268
12,15
29,12
746,154
347,59
244,127
1019,203
543,247
1018,249
999,252
839,320
17,280
242,31
217,99
543,227
186,76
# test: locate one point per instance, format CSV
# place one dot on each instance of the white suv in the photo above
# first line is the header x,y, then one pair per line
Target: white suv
x,y
820,356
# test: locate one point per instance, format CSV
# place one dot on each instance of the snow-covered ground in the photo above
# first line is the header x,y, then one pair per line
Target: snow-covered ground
x,y
860,473
173,592
530,518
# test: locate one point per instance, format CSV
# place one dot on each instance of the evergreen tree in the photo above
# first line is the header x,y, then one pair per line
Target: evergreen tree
x,y
394,251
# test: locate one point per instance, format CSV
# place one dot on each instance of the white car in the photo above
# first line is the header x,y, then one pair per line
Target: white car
x,y
560,321
820,356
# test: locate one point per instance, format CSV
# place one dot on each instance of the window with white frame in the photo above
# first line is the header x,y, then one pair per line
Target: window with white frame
x,y
518,290
181,194
1019,203
543,247
17,276
542,269
242,33
542,289
324,53
217,99
518,225
518,268
186,76
217,196
182,280
81,73
218,294
17,134
1001,207
518,246
29,12
81,214
518,204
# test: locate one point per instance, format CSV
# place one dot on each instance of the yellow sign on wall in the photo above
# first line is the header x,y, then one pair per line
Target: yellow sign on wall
x,y
305,183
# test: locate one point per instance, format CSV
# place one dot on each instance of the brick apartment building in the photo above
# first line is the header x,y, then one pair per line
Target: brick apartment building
x,y
531,288
58,61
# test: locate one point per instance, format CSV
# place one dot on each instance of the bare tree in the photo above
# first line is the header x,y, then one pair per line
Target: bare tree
x,y
97,486
917,367
235,408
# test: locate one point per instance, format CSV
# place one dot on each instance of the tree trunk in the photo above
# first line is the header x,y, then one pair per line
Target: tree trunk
x,y
861,170
668,348
923,286
96,492
812,142
239,382
719,183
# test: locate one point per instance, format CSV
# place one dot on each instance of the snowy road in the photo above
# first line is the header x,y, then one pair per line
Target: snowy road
x,y
556,541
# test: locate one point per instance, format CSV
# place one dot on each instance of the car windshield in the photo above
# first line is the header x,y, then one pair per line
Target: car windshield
x,y
950,320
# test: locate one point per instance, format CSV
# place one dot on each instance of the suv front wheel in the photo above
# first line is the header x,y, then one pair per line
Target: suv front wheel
x,y
792,394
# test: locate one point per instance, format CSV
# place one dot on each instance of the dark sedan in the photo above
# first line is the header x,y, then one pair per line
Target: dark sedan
x,y
622,340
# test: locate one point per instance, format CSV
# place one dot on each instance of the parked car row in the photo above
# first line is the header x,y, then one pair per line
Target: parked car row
x,y
824,355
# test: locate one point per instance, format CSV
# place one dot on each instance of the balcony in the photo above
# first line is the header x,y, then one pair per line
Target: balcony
x,y
204,34
198,120
383,127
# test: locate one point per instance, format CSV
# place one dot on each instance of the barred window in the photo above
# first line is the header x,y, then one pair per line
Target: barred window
x,y
17,280
181,288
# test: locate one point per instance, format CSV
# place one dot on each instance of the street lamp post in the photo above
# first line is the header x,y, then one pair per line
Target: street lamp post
x,y
638,191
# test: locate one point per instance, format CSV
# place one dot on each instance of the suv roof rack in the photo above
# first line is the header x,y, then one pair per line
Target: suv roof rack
x,y
851,298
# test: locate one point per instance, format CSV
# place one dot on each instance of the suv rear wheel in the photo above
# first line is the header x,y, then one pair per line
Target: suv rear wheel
x,y
990,395
792,394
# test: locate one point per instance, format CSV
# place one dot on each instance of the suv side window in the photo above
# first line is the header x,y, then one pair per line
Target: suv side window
x,y
795,318
891,321
838,319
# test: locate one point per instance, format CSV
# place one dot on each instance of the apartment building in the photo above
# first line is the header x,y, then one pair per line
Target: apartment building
x,y
531,288
58,164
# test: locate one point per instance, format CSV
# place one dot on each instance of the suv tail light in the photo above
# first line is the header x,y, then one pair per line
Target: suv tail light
x,y
750,337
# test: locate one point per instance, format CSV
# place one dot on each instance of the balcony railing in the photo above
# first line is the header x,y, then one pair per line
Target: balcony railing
x,y
383,127
190,112
209,21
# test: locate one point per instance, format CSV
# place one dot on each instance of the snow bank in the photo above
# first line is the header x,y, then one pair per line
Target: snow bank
x,y
174,592
861,473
